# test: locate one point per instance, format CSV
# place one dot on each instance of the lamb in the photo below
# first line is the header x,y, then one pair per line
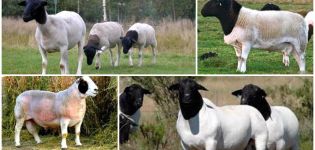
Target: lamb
x,y
130,102
202,125
59,32
282,123
52,110
139,35
245,28
103,36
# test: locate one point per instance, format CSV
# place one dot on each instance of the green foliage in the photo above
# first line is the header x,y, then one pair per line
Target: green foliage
x,y
100,122
210,39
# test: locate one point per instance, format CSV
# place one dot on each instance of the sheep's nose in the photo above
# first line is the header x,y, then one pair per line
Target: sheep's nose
x,y
96,90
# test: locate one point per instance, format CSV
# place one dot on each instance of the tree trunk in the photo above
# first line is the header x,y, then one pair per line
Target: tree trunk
x,y
104,9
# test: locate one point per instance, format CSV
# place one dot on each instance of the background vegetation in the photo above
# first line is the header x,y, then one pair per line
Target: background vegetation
x,y
173,21
160,109
99,128
210,39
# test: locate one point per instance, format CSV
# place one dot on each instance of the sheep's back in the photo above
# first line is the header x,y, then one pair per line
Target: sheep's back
x,y
108,31
146,34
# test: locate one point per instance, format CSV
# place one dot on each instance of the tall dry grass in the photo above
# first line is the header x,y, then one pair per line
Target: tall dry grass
x,y
100,120
172,36
279,1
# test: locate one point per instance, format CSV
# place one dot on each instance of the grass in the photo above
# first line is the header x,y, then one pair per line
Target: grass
x,y
176,51
53,143
210,38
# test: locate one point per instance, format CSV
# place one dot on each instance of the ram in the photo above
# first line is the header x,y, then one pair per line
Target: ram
x,y
245,28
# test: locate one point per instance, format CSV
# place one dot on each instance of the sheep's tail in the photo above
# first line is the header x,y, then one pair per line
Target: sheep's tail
x,y
304,37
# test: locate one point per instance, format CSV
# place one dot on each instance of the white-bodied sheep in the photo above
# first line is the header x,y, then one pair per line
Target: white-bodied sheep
x,y
282,124
59,32
52,110
103,36
139,35
245,28
203,126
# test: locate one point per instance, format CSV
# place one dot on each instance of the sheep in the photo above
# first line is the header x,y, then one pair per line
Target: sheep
x,y
202,125
270,6
103,36
245,28
52,110
309,18
282,123
125,123
139,35
130,102
59,32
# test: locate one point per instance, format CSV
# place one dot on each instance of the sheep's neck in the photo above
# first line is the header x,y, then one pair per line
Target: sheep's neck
x,y
46,28
263,107
42,17
192,109
228,20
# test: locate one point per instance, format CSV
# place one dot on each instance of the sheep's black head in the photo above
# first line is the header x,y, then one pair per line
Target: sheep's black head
x,y
130,39
270,6
219,8
187,88
254,96
132,98
34,9
91,48
87,86
250,94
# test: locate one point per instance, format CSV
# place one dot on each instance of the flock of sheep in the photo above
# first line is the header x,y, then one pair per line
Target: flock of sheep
x,y
64,30
253,124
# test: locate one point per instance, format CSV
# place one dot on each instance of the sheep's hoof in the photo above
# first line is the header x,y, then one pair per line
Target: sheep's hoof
x,y
18,146
78,145
64,148
97,67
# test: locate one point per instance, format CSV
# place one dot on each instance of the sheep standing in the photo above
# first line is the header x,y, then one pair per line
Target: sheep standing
x,y
202,125
103,36
139,35
59,32
270,30
52,110
281,122
130,102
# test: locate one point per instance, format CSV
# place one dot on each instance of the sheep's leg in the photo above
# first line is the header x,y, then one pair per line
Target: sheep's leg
x,y
300,59
64,60
98,60
184,146
64,131
80,56
118,56
111,57
18,128
261,142
77,134
130,57
286,53
280,145
239,59
211,144
43,53
140,56
31,127
244,55
154,51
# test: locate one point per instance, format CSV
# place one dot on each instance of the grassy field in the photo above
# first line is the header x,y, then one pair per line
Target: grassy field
x,y
210,39
176,51
159,132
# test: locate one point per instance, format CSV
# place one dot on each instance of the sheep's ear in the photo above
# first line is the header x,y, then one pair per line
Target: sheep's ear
x,y
262,93
237,93
145,91
200,87
23,3
133,41
174,87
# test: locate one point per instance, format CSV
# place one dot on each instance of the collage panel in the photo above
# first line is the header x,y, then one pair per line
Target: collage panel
x,y
134,37
38,110
234,38
158,112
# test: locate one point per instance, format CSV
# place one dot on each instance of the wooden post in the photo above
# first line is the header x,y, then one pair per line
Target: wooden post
x,y
104,9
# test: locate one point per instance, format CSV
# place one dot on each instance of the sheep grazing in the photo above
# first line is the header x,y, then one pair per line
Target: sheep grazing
x,y
281,122
202,125
103,36
245,28
270,6
59,32
139,35
309,18
130,102
53,110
